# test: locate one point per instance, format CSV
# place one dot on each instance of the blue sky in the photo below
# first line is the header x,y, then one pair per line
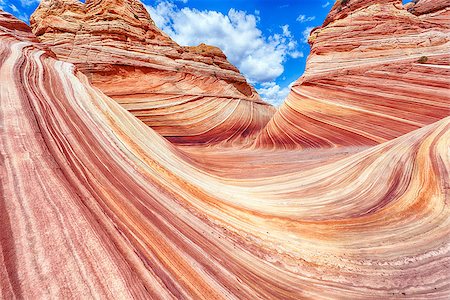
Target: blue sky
x,y
266,39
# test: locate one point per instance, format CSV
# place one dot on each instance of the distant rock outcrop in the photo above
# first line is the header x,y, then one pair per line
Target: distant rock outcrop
x,y
377,70
422,7
188,94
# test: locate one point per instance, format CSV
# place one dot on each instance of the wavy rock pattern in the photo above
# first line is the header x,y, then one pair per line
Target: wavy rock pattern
x,y
376,72
97,205
171,88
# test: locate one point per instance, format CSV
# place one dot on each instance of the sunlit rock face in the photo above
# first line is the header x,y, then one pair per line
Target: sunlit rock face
x,y
191,95
429,7
95,204
377,70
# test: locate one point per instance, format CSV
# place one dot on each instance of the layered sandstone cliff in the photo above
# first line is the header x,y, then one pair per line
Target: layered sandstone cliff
x,y
188,94
377,70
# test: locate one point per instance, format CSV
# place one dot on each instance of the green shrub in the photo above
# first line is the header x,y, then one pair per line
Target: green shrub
x,y
423,60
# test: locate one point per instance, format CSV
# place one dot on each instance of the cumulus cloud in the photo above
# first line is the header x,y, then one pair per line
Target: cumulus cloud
x,y
273,93
306,33
325,5
260,58
296,54
304,19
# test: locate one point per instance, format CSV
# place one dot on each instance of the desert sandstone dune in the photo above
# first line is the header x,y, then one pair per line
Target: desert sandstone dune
x,y
98,204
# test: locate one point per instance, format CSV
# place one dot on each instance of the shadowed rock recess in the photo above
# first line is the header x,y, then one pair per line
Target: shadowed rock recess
x,y
96,202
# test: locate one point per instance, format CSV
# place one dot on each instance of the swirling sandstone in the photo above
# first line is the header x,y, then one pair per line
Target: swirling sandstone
x,y
191,95
97,205
376,71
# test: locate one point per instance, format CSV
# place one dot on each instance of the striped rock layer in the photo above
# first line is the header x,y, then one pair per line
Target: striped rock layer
x,y
95,204
377,70
191,95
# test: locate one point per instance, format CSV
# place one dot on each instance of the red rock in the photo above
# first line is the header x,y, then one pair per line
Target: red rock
x,y
188,94
421,7
95,204
375,72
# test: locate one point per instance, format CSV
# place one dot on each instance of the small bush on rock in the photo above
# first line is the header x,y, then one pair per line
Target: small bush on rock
x,y
422,60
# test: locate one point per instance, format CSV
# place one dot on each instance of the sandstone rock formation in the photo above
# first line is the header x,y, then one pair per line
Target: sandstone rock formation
x,y
377,70
430,7
190,95
95,204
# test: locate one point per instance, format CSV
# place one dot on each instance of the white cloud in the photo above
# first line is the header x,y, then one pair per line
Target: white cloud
x,y
260,58
304,19
306,33
29,2
14,8
325,5
296,54
24,17
273,93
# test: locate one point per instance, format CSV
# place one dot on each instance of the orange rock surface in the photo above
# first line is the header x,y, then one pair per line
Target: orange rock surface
x,y
95,204
376,71
191,95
